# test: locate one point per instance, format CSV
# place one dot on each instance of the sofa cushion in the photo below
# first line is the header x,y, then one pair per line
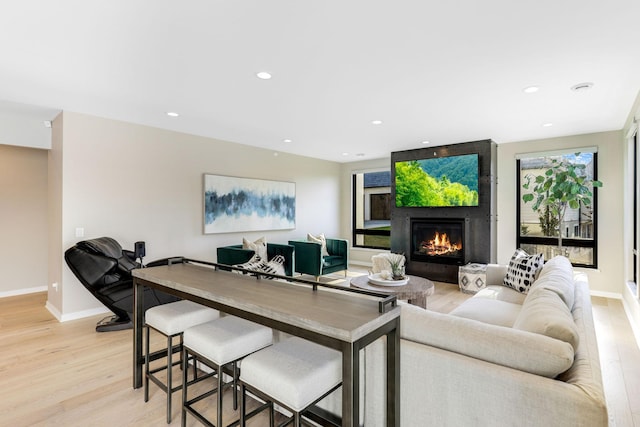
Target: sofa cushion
x,y
514,348
487,310
259,247
544,312
501,293
523,270
557,275
331,260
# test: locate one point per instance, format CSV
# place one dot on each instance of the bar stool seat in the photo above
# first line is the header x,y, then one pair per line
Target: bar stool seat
x,y
218,343
295,373
171,320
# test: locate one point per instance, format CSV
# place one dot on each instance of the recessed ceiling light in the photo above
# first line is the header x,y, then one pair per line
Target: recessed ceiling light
x,y
360,155
426,142
172,114
531,89
376,122
345,154
582,86
263,75
547,125
287,140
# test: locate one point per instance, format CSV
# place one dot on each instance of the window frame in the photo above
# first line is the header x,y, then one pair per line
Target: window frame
x,y
553,241
355,232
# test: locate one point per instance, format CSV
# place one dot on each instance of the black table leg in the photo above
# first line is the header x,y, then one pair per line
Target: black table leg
x,y
138,323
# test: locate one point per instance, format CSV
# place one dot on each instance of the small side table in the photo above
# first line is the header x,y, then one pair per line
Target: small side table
x,y
472,277
415,291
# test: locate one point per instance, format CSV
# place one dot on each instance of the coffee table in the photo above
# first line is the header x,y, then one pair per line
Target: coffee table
x,y
415,291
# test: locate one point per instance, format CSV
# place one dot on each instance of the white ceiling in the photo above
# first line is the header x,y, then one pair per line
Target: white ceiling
x,y
445,72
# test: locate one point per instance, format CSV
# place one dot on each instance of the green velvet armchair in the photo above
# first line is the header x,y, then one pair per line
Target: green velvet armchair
x,y
309,259
235,254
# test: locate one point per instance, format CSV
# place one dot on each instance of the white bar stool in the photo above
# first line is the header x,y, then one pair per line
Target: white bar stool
x,y
294,373
171,320
217,344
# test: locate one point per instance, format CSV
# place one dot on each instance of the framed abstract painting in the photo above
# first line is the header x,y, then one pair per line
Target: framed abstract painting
x,y
234,204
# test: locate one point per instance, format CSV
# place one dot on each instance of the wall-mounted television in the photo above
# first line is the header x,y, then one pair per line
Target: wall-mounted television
x,y
437,182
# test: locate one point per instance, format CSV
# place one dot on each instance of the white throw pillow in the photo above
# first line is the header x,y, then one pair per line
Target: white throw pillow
x,y
523,270
259,247
321,240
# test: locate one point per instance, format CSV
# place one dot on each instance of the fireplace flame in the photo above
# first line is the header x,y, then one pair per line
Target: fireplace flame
x,y
440,245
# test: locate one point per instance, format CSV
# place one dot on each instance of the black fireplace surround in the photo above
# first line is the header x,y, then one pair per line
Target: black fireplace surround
x,y
474,227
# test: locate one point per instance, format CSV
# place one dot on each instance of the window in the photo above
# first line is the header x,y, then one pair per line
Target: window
x,y
538,230
372,210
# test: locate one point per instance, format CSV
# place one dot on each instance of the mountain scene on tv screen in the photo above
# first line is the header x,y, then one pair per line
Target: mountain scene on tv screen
x,y
439,182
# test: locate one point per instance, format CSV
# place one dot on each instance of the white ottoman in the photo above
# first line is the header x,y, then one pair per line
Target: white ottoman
x,y
472,277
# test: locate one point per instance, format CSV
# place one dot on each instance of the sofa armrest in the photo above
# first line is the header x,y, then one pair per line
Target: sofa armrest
x,y
308,257
495,274
235,254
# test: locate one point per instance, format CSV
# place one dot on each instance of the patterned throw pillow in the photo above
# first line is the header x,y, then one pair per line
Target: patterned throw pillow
x,y
259,247
523,270
255,264
321,240
274,266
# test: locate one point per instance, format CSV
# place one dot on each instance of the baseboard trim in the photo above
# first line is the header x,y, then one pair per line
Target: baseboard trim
x,y
612,295
76,315
633,314
25,291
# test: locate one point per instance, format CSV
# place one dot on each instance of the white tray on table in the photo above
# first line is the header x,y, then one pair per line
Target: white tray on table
x,y
376,279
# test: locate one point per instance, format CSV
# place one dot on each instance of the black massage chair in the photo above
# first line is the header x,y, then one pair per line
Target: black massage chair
x,y
104,268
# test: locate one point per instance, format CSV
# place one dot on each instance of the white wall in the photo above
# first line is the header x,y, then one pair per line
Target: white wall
x,y
134,183
23,220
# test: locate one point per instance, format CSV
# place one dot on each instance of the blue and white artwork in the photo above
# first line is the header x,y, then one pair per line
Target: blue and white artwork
x,y
242,204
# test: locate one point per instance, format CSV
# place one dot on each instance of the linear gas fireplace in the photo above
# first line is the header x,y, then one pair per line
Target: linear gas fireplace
x,y
439,240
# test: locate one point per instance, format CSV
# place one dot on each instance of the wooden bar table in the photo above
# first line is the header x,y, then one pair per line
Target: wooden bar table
x,y
336,318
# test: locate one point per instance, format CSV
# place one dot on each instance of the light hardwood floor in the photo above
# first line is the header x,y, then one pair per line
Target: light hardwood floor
x,y
66,374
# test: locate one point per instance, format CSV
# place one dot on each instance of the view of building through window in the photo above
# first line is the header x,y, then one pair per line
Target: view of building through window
x,y
372,210
538,230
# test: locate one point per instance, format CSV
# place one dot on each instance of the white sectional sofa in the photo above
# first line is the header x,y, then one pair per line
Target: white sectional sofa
x,y
502,358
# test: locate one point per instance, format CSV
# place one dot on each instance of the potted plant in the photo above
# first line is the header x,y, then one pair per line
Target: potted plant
x,y
396,262
564,184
